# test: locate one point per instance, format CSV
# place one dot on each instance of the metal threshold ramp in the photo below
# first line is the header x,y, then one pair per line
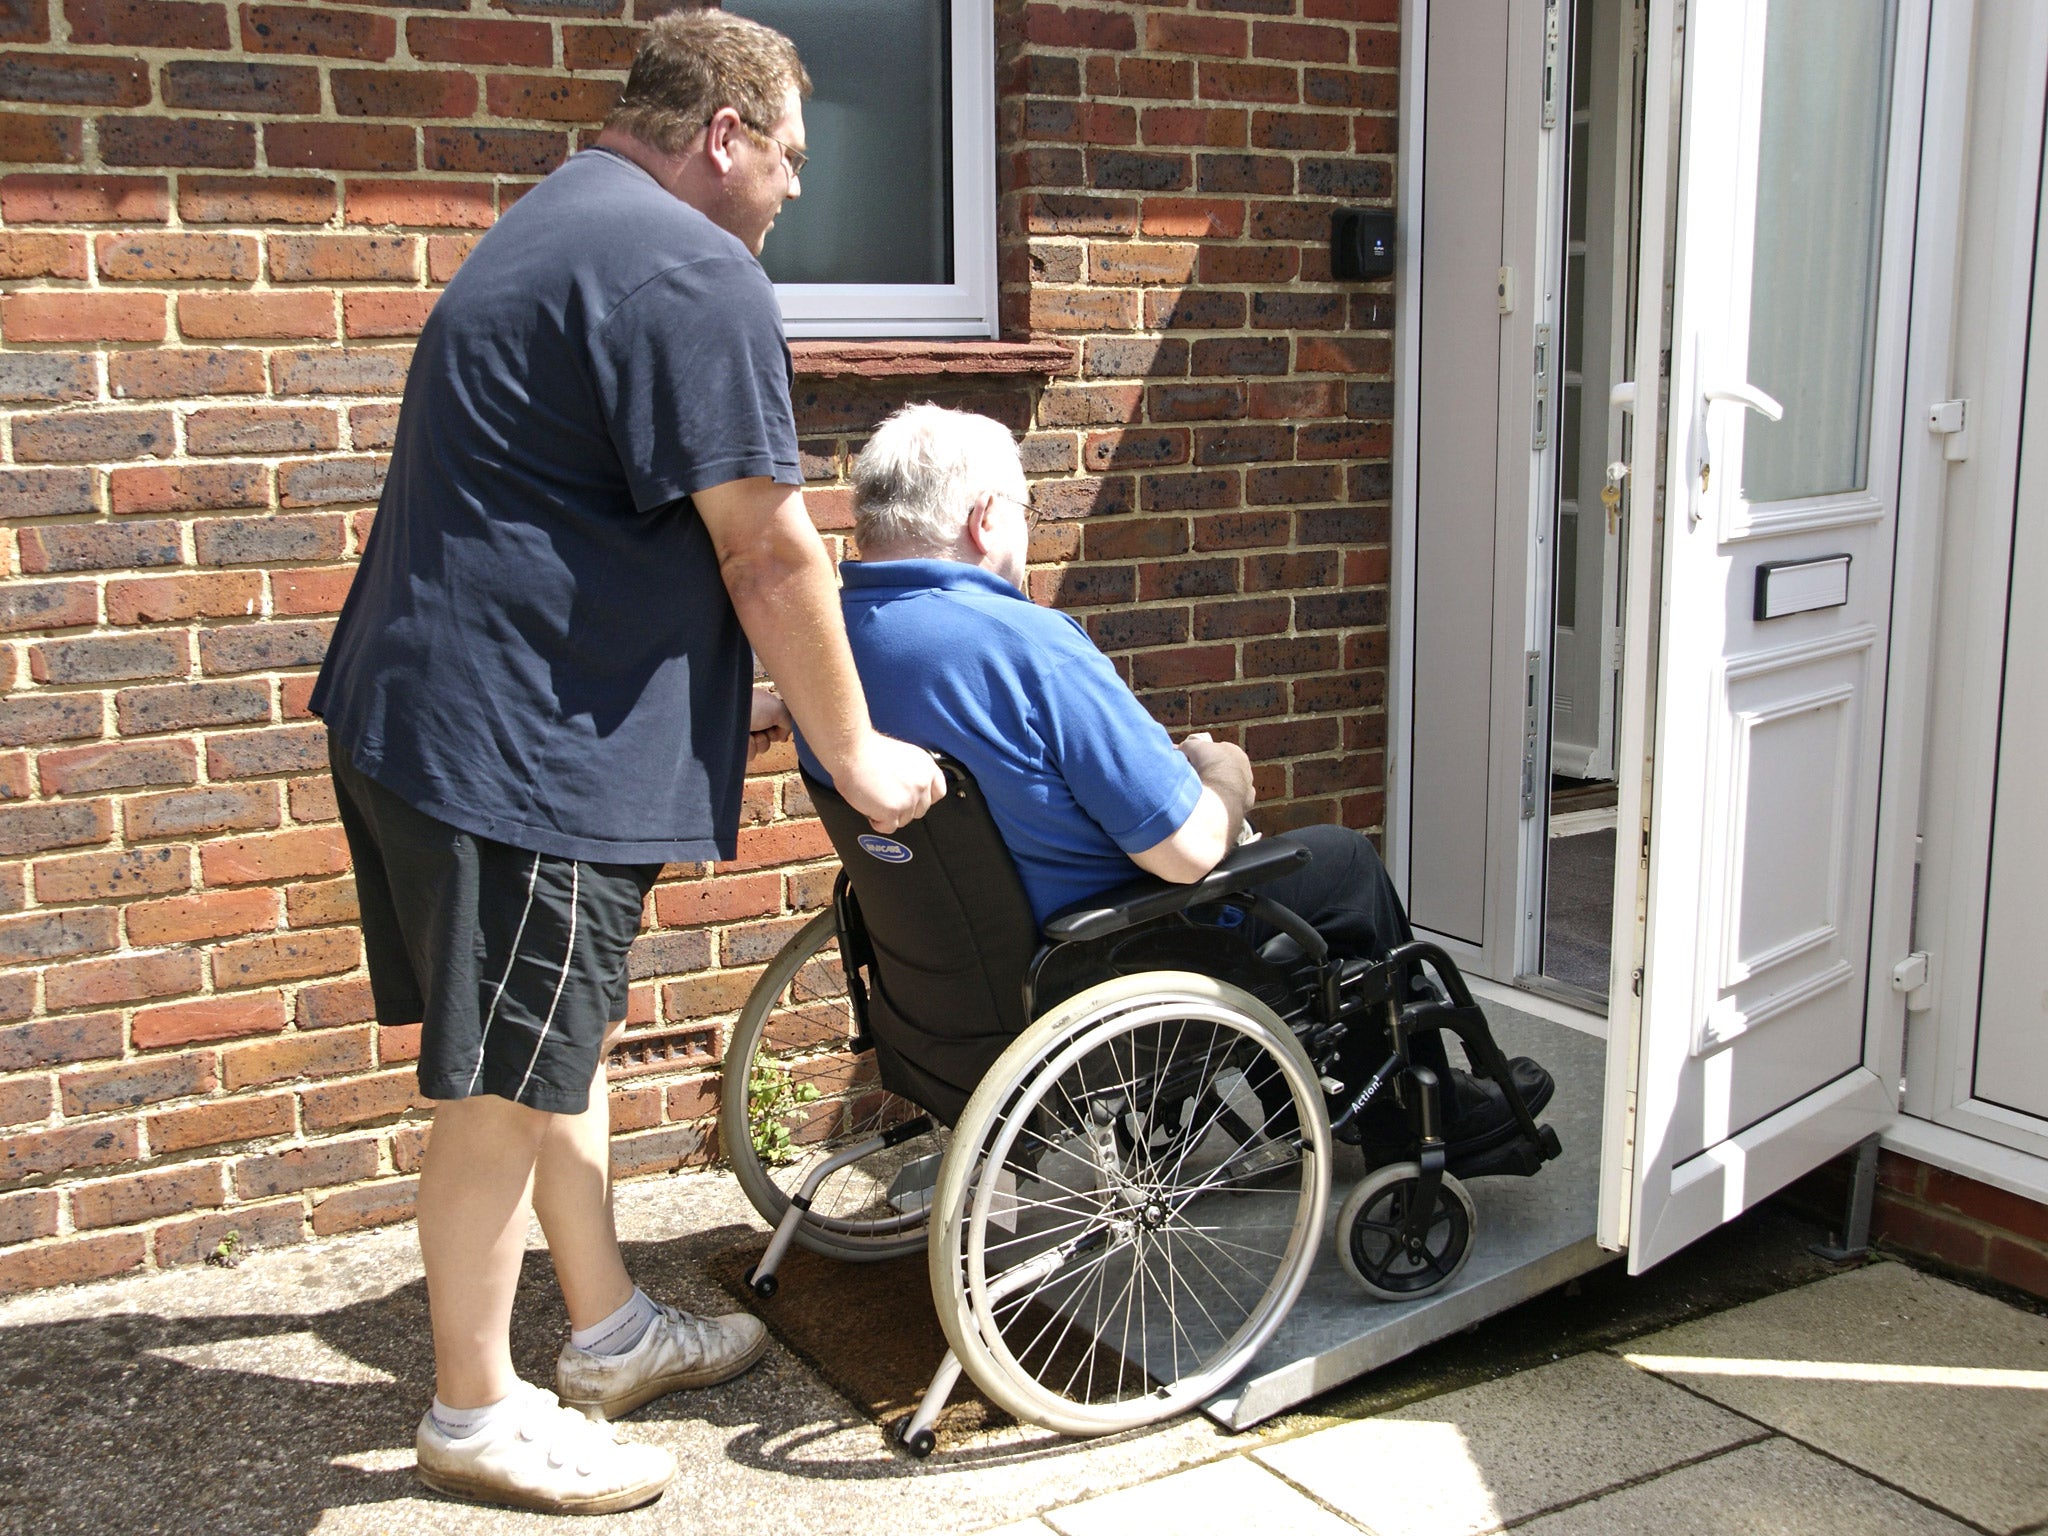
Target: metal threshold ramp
x,y
1533,1234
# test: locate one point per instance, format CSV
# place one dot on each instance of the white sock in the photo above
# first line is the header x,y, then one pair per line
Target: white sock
x,y
618,1333
461,1423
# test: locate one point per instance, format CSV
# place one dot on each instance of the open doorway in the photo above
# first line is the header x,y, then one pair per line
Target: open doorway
x,y
1588,526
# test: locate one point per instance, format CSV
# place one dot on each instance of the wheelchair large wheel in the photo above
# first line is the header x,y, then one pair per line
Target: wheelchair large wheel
x,y
1131,1203
1371,1224
795,1093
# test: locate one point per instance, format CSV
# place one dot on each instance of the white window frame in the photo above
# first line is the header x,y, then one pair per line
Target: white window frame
x,y
965,307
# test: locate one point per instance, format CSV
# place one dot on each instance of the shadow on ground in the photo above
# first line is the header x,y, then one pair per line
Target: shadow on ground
x,y
170,1415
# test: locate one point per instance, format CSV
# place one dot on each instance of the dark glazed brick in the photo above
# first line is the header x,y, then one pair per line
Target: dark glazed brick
x,y
1248,702
1131,171
46,492
47,605
1264,175
263,647
1187,578
61,717
1342,610
1227,355
1132,628
234,87
1346,178
1182,493
318,30
199,142
48,376
1226,621
1084,586
25,21
268,540
144,711
1127,357
74,80
1248,443
43,936
108,658
52,1042
1195,309
99,546
503,151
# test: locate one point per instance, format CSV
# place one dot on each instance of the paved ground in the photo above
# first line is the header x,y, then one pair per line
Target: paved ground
x,y
1741,1388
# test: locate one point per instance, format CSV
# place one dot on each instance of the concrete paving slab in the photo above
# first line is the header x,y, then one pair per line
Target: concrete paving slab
x,y
1486,1457
1932,1387
1225,1498
281,1396
1772,1488
1022,1528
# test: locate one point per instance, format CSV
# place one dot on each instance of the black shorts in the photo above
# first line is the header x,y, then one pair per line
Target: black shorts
x,y
515,961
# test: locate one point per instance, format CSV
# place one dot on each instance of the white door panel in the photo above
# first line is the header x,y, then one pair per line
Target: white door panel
x,y
1797,180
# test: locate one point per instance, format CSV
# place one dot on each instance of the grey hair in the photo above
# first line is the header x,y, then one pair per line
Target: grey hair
x,y
920,472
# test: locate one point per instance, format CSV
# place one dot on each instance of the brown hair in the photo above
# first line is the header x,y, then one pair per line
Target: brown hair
x,y
693,62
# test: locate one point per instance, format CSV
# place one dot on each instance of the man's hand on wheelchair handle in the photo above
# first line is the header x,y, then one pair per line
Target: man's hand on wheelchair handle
x,y
890,782
767,723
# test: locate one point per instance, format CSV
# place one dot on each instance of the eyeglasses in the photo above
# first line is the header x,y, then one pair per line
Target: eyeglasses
x,y
794,158
1030,512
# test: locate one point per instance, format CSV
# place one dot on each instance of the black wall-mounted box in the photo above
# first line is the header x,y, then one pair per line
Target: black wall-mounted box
x,y
1361,244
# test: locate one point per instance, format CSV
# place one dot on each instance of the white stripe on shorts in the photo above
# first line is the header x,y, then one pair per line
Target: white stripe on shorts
x,y
568,958
483,1037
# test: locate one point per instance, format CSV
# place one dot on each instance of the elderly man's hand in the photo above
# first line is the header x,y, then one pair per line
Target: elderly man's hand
x,y
890,782
767,723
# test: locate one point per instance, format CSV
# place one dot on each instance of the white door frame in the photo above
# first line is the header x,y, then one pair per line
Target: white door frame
x,y
2000,126
1532,233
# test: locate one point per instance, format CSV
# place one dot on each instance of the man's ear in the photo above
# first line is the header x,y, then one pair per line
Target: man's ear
x,y
719,133
976,528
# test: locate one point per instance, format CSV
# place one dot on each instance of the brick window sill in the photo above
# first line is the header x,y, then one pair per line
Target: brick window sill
x,y
927,359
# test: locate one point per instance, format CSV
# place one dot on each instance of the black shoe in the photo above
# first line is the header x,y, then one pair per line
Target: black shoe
x,y
1478,1120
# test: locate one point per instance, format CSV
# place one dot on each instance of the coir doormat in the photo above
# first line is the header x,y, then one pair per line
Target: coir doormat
x,y
868,1329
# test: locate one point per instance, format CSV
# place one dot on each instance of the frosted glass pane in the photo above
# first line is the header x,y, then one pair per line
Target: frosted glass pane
x,y
1820,200
877,193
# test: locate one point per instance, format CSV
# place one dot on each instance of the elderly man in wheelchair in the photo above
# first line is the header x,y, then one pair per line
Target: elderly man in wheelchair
x,y
1078,1033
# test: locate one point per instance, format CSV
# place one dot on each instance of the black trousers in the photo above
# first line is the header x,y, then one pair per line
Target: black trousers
x,y
1347,896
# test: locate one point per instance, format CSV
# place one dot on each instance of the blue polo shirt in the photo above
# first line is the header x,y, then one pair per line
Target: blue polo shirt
x,y
1077,774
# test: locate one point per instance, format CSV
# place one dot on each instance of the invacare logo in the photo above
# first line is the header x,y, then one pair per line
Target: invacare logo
x,y
887,849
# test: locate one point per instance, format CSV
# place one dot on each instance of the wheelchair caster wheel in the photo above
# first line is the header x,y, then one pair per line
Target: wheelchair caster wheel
x,y
920,1444
765,1287
1370,1242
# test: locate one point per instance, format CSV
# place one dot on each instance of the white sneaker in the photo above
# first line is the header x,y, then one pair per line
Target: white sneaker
x,y
678,1350
544,1456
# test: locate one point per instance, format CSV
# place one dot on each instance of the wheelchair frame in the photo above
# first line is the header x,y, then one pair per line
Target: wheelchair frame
x,y
1404,1232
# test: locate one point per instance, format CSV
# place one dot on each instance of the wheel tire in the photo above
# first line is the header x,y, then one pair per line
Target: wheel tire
x,y
798,1022
1158,1218
921,1444
1371,1252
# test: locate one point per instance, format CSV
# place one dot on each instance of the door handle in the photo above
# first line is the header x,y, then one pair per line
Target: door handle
x,y
1751,396
1741,393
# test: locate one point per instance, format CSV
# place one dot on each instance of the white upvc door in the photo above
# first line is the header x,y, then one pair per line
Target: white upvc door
x,y
1768,1028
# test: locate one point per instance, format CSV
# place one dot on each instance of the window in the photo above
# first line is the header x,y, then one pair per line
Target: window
x,y
895,232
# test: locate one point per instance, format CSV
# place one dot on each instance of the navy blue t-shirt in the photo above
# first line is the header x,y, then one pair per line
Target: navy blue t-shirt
x,y
538,647
1077,775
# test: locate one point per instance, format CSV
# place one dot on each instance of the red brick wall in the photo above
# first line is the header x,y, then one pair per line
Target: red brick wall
x,y
1930,1213
220,224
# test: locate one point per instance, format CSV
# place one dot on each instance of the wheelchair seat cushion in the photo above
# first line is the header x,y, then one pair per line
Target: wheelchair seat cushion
x,y
952,938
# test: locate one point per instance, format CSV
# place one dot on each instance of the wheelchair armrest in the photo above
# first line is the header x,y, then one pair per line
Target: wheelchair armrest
x,y
1137,901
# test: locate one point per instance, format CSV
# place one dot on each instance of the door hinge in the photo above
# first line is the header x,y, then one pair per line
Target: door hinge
x,y
1532,674
1550,31
1950,419
1913,979
1539,428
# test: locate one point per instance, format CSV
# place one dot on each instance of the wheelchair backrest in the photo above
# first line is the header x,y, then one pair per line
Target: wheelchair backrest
x,y
951,935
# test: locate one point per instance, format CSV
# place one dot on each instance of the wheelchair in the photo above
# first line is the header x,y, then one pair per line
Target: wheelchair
x,y
1112,1137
